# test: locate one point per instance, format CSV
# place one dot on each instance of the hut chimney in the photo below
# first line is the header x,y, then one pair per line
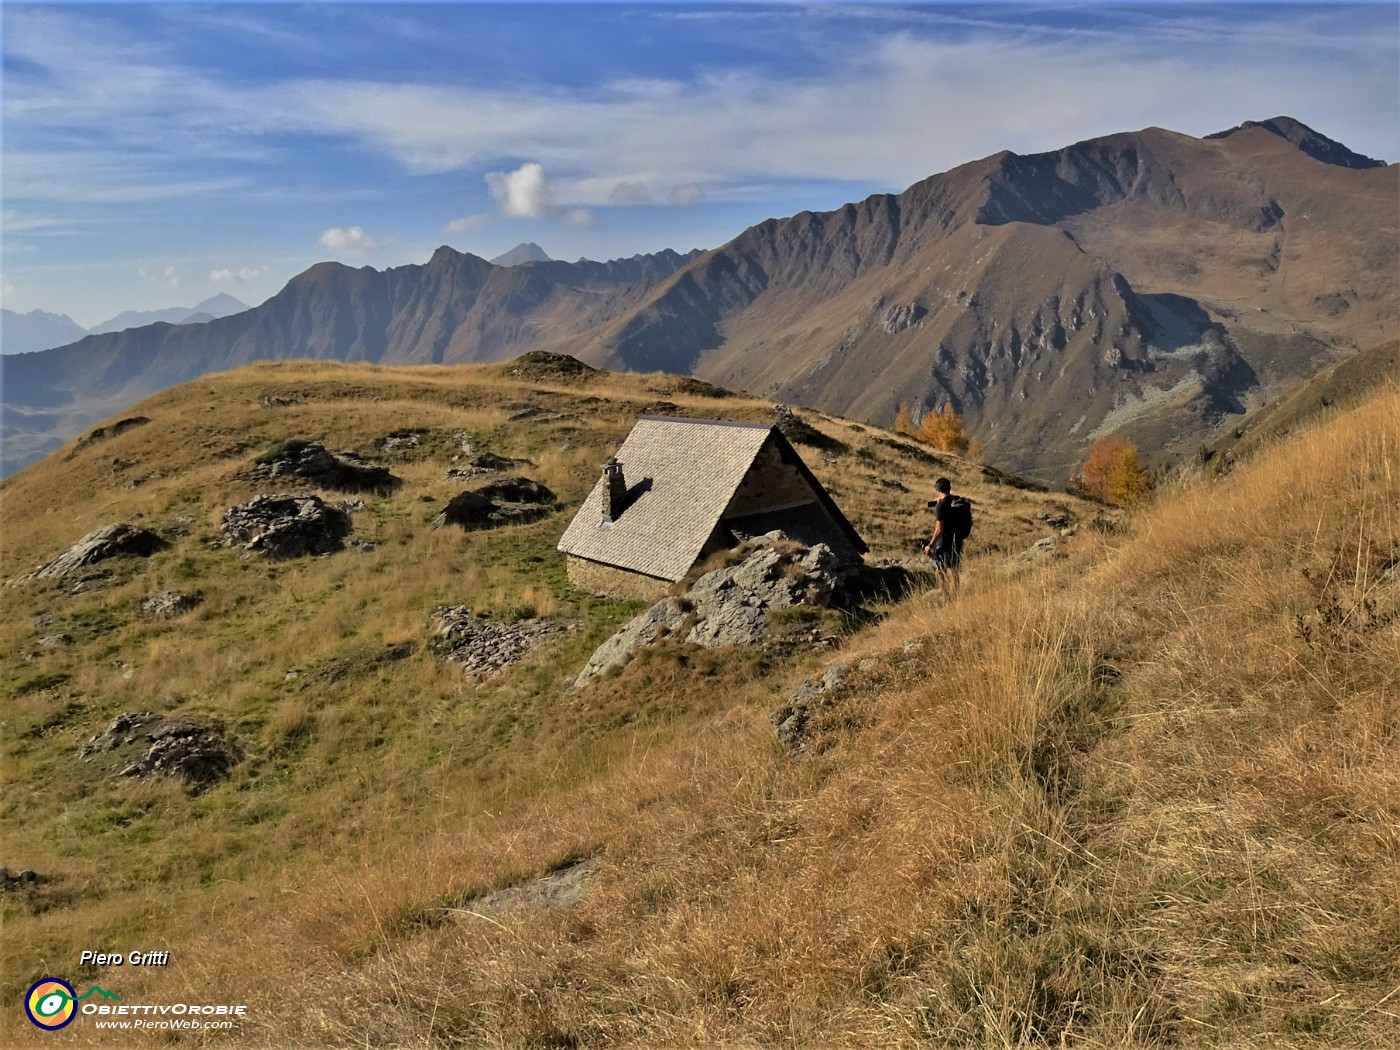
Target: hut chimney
x,y
616,492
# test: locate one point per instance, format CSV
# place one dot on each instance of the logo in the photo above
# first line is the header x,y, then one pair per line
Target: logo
x,y
52,1004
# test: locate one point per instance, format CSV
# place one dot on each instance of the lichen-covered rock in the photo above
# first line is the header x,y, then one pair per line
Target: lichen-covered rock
x,y
506,501
483,463
517,490
483,646
793,719
198,751
285,526
169,603
313,462
109,541
728,606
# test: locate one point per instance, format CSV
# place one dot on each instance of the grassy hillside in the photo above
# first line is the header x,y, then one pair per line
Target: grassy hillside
x,y
1146,794
360,766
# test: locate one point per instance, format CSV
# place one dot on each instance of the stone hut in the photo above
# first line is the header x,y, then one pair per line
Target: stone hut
x,y
678,490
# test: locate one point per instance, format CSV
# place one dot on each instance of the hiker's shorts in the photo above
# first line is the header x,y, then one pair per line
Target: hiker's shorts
x,y
947,557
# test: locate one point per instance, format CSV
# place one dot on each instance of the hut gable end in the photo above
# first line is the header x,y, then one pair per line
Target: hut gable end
x,y
686,480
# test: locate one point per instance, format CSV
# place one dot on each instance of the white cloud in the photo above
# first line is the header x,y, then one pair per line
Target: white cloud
x,y
166,278
523,193
240,276
578,217
469,223
687,193
348,239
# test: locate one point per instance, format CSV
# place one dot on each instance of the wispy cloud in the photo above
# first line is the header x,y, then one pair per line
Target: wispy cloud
x,y
242,275
899,100
164,277
469,223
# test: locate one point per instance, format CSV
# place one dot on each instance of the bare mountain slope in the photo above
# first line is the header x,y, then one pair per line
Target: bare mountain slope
x,y
1149,281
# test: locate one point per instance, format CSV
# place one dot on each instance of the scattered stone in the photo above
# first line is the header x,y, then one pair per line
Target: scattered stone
x,y
517,490
351,506
91,581
285,526
313,462
508,501
661,408
15,882
485,647
563,886
109,541
282,400
1042,549
398,442
1056,521
794,718
42,620
542,364
728,606
394,653
484,463
197,751
53,641
169,604
363,546
178,525
913,644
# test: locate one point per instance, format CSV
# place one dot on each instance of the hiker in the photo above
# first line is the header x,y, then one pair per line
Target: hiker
x,y
952,523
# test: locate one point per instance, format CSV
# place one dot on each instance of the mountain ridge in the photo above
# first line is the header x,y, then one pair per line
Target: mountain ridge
x,y
1149,282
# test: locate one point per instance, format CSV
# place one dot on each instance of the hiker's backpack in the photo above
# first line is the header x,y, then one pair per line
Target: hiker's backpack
x,y
960,517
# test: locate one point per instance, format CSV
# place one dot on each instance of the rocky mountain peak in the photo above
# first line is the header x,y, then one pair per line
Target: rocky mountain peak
x,y
1313,143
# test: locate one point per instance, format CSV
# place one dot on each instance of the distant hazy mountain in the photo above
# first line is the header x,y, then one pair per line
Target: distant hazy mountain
x,y
36,330
454,308
528,251
221,305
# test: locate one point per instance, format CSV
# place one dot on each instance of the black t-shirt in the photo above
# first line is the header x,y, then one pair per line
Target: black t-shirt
x,y
943,511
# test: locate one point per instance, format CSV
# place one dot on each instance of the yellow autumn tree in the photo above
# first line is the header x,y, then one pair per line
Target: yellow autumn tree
x,y
1128,479
943,429
1112,472
903,421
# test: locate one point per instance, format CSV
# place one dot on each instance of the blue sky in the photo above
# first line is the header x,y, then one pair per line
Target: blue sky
x,y
156,155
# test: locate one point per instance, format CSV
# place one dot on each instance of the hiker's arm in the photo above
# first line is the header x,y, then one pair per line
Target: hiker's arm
x,y
937,530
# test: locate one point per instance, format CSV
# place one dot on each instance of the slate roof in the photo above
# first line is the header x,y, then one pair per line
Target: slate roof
x,y
680,475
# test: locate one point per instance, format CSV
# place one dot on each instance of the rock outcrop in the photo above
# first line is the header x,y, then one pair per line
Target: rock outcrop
x,y
506,501
199,752
109,541
285,526
485,647
484,463
169,604
313,462
793,718
728,606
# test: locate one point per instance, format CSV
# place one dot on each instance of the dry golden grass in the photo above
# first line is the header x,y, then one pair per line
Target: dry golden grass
x,y
1143,795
